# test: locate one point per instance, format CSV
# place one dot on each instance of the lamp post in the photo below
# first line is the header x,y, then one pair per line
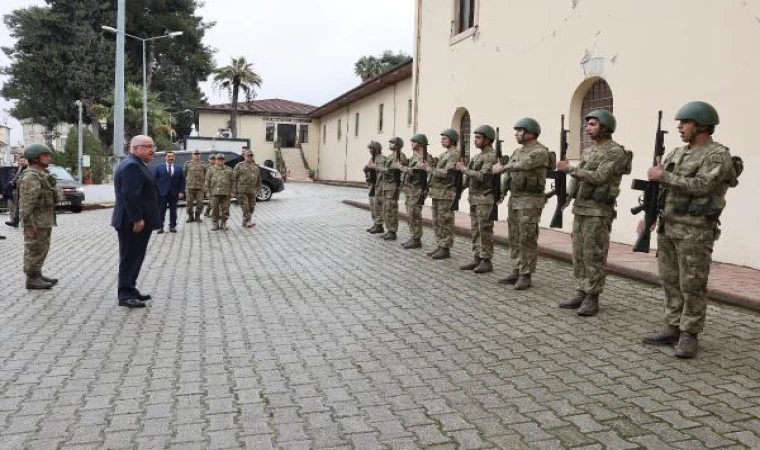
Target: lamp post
x,y
80,139
145,65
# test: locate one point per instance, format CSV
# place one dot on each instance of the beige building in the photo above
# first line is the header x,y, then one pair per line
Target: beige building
x,y
38,134
266,123
495,61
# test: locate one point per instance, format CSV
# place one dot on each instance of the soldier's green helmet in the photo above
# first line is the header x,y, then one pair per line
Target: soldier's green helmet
x,y
419,138
700,112
35,150
220,156
374,145
451,134
529,125
604,117
487,131
397,141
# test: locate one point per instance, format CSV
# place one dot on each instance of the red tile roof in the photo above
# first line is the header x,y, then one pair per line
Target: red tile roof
x,y
274,106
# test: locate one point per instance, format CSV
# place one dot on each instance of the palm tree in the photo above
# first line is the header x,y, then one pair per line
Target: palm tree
x,y
238,76
368,67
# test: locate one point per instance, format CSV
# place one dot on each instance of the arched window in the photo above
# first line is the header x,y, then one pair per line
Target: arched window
x,y
599,95
464,134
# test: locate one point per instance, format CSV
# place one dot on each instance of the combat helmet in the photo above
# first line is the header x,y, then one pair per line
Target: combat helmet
x,y
604,117
529,125
451,134
419,138
398,142
487,131
700,112
35,150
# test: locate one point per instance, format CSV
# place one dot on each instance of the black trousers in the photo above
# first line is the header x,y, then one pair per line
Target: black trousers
x,y
169,201
132,247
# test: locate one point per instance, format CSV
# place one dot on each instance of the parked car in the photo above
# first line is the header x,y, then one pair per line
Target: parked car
x,y
271,179
73,192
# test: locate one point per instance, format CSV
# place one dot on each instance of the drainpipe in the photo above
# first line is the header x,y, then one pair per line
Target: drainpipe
x,y
345,164
416,80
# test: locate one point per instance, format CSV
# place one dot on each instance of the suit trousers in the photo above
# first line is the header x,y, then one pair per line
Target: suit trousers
x,y
132,247
169,201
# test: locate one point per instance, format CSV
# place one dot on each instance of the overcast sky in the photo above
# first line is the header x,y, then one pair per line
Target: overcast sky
x,y
304,50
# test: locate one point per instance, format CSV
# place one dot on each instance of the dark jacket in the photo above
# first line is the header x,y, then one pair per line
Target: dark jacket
x,y
167,185
136,195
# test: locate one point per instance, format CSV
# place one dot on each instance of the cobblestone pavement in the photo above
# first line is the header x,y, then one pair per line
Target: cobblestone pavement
x,y
305,332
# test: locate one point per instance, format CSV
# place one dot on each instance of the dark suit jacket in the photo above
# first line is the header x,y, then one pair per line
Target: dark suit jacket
x,y
167,185
136,195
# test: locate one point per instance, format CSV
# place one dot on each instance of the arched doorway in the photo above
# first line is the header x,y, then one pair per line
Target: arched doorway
x,y
462,123
598,96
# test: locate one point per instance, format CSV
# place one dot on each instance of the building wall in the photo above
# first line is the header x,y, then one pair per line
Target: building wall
x,y
537,59
344,158
254,128
38,134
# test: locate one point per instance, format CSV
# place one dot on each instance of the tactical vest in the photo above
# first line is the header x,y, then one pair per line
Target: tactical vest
x,y
195,175
602,196
43,206
529,183
443,187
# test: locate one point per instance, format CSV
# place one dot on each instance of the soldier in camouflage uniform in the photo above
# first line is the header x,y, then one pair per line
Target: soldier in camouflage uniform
x,y
526,180
442,193
210,167
595,185
195,177
391,187
247,186
415,180
37,198
219,185
478,178
693,181
372,175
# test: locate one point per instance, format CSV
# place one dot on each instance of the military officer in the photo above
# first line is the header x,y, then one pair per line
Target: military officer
x,y
526,180
219,185
195,178
415,181
693,181
374,181
210,167
594,186
247,186
442,193
37,198
391,187
481,198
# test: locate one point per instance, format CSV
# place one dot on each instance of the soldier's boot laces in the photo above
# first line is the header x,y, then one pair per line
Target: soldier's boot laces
x,y
35,282
48,280
413,244
590,306
443,253
389,236
215,226
198,217
667,336
524,282
511,278
433,252
687,346
574,302
469,266
484,266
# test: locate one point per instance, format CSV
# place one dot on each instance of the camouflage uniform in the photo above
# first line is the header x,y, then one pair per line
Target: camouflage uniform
x,y
377,203
413,190
595,184
526,181
219,184
442,193
481,201
694,185
247,185
210,167
37,198
195,176
389,176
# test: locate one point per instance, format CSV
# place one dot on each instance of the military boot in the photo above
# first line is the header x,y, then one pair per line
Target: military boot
x,y
574,302
511,278
215,226
223,225
369,230
198,217
433,252
190,219
33,281
48,280
484,266
524,282
376,229
443,253
207,213
469,266
412,244
590,306
667,336
390,236
687,346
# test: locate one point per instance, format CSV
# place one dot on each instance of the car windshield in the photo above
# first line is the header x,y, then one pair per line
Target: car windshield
x,y
60,173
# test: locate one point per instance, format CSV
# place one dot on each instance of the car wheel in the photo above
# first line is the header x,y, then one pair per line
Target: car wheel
x,y
266,193
76,209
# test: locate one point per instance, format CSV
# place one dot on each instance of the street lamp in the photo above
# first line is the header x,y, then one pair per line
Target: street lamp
x,y
80,140
145,80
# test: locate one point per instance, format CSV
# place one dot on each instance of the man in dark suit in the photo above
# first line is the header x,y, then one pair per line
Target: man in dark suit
x,y
135,216
170,179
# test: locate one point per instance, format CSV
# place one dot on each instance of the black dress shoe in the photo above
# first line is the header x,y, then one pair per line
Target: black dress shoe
x,y
2,237
172,230
160,231
132,303
144,297
12,223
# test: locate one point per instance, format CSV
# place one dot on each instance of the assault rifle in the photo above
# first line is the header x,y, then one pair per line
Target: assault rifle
x,y
396,173
559,188
424,176
496,181
649,200
370,176
458,182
